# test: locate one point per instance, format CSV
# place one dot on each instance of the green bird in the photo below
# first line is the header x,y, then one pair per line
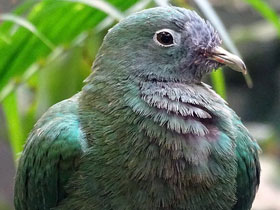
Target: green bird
x,y
144,133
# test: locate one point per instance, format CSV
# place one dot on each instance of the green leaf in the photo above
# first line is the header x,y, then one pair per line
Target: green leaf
x,y
29,26
267,12
134,8
218,82
103,6
60,22
5,39
14,124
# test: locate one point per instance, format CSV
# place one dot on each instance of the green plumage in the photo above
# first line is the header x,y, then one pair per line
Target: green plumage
x,y
144,133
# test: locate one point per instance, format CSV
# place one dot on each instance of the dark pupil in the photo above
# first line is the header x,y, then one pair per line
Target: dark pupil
x,y
165,38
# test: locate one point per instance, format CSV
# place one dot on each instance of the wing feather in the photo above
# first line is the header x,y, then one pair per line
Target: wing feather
x,y
50,157
248,175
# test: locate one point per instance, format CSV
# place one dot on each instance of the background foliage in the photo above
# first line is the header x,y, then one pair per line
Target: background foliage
x,y
47,48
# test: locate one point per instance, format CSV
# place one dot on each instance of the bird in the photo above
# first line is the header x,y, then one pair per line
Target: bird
x,y
145,132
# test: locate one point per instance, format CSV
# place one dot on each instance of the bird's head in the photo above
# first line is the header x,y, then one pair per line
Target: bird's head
x,y
164,44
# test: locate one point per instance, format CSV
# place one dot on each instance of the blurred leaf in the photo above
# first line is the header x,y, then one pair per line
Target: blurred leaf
x,y
163,3
103,6
14,124
7,90
266,11
134,8
58,21
13,84
29,26
52,79
218,82
140,5
5,39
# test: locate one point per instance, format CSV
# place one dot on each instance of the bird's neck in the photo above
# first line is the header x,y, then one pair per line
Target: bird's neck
x,y
163,131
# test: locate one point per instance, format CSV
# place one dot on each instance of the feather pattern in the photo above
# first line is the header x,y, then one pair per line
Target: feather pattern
x,y
158,159
52,154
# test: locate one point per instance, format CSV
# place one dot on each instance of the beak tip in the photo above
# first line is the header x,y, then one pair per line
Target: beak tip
x,y
244,68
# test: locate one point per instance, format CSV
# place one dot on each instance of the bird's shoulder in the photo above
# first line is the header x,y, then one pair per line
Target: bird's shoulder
x,y
50,157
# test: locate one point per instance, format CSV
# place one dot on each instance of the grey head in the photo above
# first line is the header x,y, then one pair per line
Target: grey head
x,y
163,44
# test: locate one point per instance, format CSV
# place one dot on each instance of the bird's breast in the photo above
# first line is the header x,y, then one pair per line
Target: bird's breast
x,y
169,140
185,110
181,138
186,120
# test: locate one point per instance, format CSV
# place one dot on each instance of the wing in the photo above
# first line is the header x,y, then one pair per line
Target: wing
x,y
248,175
51,155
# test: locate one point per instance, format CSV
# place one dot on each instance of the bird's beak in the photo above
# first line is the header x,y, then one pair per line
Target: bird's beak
x,y
224,57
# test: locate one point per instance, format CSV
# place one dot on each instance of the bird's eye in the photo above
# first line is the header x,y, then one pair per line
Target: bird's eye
x,y
164,38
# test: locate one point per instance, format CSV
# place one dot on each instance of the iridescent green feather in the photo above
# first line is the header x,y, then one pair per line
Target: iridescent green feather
x,y
50,157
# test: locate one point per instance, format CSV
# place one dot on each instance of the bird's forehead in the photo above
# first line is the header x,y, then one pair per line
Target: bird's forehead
x,y
165,17
159,17
186,22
